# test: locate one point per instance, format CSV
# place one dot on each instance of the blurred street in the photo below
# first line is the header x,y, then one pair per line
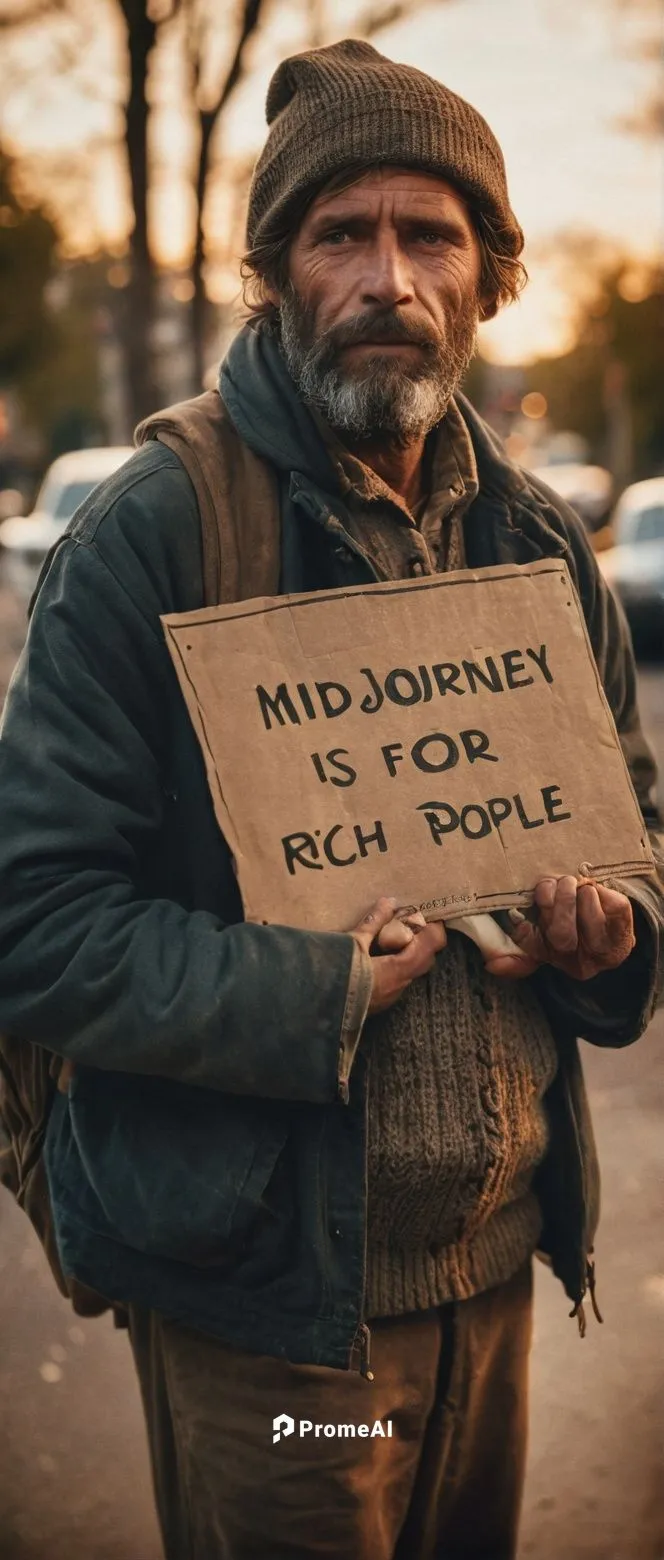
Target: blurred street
x,y
75,1480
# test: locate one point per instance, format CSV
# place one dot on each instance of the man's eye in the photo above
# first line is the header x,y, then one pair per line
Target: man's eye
x,y
336,236
429,236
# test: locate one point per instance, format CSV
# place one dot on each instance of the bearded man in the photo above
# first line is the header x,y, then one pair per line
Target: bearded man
x,y
277,1148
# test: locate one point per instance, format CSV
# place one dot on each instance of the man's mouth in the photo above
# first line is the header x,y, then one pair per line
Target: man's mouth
x,y
383,345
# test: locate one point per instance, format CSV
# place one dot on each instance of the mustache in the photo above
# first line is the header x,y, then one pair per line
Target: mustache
x,y
379,396
375,326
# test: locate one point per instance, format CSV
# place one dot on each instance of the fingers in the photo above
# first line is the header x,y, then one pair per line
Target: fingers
x,y
615,905
529,941
394,973
509,967
591,920
377,916
418,958
583,926
395,936
524,935
556,900
606,924
400,931
532,953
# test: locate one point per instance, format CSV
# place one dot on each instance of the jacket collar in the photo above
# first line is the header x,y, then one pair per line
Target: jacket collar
x,y
263,404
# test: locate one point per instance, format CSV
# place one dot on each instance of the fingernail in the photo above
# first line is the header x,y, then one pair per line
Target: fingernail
x,y
515,916
546,891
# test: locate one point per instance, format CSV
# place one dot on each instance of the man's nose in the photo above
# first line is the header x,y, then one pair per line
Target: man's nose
x,y
388,279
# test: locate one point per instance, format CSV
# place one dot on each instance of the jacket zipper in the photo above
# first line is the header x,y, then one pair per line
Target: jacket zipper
x,y
590,1278
363,1338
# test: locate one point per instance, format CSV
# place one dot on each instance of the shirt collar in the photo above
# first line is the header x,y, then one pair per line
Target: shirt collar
x,y
450,457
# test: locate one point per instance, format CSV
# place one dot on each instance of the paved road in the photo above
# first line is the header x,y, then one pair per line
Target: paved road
x,y
74,1482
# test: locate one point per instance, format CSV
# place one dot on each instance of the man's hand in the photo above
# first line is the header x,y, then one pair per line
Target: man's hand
x,y
582,928
401,949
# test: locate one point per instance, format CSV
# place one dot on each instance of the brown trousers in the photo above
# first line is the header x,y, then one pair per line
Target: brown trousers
x,y
445,1485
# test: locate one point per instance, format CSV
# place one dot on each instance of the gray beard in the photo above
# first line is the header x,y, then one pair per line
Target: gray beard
x,y
383,399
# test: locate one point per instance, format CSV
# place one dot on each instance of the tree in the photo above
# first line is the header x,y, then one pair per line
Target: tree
x,y
209,114
47,354
198,17
28,241
146,25
139,313
613,369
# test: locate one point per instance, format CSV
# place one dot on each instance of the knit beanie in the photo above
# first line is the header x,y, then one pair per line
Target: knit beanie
x,y
332,107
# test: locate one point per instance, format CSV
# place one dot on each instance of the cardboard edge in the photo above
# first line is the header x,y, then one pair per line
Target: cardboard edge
x,y
648,858
174,626
171,625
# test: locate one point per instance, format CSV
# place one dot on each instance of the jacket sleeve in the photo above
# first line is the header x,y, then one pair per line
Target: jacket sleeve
x,y
89,966
615,1008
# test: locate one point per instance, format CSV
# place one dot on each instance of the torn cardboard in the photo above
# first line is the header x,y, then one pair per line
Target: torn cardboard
x,y
445,740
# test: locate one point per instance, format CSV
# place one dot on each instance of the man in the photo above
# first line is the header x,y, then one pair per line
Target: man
x,y
280,1148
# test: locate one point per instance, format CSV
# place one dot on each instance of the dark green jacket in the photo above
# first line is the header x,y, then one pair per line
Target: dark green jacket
x,y
203,1162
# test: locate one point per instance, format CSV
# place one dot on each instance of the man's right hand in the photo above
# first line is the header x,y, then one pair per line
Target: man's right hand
x,y
414,941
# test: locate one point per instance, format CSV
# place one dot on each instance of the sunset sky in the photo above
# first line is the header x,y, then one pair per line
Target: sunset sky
x,y
555,79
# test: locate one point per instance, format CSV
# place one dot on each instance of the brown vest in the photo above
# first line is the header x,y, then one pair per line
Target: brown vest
x,y
237,495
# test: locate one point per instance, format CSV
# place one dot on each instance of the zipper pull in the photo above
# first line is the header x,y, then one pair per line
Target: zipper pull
x,y
343,1091
365,1352
590,1275
590,1287
580,1314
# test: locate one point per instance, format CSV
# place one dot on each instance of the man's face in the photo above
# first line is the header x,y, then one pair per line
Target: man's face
x,y
379,317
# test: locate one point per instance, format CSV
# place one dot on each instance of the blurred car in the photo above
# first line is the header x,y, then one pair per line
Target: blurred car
x,y
26,539
589,490
634,566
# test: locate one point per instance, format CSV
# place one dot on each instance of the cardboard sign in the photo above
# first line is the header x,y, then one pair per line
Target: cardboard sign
x,y
445,740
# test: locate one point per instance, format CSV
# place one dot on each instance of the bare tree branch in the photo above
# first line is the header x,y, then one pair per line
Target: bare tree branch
x,y
208,118
141,37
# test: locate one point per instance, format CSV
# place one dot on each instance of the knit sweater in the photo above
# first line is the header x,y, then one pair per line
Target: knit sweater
x,y
457,1074
459,1067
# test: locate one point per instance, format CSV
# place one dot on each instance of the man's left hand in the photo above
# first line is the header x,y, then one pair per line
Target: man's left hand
x,y
582,928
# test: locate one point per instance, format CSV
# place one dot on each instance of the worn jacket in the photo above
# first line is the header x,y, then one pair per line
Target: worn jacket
x,y
204,1162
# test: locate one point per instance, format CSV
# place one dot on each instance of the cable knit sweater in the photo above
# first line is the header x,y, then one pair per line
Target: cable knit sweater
x,y
457,1074
459,1067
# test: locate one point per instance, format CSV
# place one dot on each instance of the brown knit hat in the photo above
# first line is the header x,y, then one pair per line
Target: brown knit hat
x,y
332,107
